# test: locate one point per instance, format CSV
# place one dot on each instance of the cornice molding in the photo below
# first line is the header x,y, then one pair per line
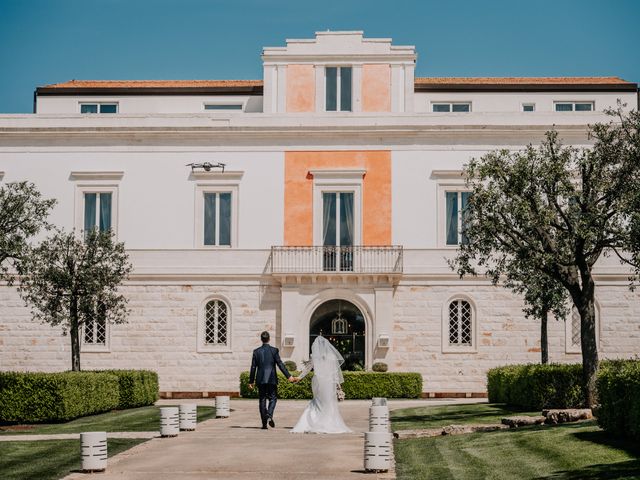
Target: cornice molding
x,y
218,175
96,175
341,174
447,175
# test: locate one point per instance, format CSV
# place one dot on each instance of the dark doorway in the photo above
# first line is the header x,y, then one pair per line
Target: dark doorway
x,y
343,324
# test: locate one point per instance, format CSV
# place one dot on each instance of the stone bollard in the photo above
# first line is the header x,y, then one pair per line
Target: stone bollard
x,y
222,406
379,419
378,401
188,416
93,451
377,451
169,421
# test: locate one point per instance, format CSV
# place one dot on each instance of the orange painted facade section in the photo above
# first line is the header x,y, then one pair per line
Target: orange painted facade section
x,y
376,193
376,88
301,88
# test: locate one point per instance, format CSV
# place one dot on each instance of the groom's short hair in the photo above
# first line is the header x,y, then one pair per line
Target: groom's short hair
x,y
264,336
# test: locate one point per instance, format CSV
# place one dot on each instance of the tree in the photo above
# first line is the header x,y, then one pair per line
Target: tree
x,y
556,210
541,295
70,281
23,214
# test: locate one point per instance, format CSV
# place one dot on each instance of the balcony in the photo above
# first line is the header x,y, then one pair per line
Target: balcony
x,y
318,260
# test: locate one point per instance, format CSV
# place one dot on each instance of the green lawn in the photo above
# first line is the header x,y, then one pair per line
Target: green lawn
x,y
141,419
440,416
579,451
49,459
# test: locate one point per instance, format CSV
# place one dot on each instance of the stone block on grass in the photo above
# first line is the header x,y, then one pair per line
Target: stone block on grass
x,y
556,416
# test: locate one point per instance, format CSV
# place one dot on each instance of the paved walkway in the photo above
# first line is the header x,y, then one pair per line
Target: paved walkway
x,y
236,448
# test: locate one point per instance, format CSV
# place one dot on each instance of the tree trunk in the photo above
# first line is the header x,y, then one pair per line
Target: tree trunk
x,y
75,335
544,342
589,349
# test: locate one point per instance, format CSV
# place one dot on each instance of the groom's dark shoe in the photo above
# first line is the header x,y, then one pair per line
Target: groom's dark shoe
x,y
264,427
272,424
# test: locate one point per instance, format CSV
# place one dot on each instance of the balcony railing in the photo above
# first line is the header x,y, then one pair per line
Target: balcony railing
x,y
352,259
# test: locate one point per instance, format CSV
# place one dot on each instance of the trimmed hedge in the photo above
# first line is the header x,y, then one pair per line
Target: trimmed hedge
x,y
357,385
618,386
56,397
535,386
138,388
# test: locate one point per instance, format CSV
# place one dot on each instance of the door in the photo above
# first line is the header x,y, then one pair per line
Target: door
x,y
337,231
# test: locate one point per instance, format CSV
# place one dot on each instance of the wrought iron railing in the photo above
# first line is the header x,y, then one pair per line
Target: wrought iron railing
x,y
352,259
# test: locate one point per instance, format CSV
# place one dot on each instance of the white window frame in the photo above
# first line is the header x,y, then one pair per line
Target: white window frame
x,y
447,181
337,181
95,347
573,105
96,182
568,330
80,104
216,182
446,346
451,104
203,347
339,88
458,193
241,103
528,104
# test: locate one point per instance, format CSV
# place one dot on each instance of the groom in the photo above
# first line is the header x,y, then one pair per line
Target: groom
x,y
265,359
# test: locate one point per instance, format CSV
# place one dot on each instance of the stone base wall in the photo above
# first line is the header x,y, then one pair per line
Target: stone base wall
x,y
504,334
161,335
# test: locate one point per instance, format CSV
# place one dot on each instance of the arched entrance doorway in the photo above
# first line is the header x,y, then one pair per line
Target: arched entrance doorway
x,y
343,324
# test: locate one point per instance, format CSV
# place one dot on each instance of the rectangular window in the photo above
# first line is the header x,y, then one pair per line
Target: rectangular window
x,y
223,106
445,107
455,204
98,108
574,106
97,211
338,89
337,230
528,107
583,107
217,218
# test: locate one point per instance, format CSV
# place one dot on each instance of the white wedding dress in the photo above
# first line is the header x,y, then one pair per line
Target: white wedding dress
x,y
322,414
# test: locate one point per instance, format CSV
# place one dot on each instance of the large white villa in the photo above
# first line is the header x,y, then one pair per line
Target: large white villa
x,y
323,199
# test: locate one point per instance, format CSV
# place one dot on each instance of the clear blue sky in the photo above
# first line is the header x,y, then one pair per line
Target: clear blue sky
x,y
47,41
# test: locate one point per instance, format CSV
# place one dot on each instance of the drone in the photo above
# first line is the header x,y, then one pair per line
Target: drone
x,y
207,166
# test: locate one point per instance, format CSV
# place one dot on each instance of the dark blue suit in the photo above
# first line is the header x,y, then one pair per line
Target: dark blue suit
x,y
263,372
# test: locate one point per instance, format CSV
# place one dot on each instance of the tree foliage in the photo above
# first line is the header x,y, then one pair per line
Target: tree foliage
x,y
68,281
555,210
541,294
23,214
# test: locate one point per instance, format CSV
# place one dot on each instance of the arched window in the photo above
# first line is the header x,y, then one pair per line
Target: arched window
x,y
573,330
95,332
216,318
459,326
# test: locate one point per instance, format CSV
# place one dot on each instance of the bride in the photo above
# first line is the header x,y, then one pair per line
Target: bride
x,y
322,414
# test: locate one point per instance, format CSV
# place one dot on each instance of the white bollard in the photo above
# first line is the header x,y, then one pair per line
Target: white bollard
x,y
222,406
188,416
93,451
379,419
377,451
169,421
378,401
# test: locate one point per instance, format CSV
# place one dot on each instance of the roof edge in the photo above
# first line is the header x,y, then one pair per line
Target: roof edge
x,y
530,87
